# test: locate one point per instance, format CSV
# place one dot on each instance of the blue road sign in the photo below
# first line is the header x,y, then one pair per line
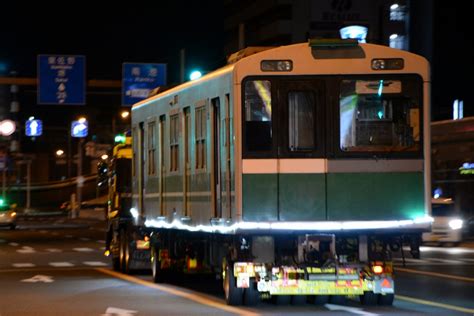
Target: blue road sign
x,y
33,128
79,128
139,79
61,79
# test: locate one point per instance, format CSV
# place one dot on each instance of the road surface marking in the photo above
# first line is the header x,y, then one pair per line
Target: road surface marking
x,y
61,264
447,261
39,278
24,265
198,298
111,311
440,275
435,304
412,260
84,239
14,244
83,249
352,310
26,249
101,241
53,250
95,263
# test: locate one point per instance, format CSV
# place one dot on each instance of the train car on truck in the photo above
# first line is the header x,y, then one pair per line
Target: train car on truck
x,y
292,173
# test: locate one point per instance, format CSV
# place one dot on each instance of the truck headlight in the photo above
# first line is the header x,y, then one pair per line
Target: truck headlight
x,y
455,224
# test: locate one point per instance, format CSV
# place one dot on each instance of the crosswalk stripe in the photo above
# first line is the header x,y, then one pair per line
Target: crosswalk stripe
x,y
61,264
24,265
84,249
53,250
95,263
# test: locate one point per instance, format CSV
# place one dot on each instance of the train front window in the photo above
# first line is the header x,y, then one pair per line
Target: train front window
x,y
379,116
301,120
258,115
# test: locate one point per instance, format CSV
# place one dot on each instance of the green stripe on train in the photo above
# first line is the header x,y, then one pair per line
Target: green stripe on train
x,y
375,196
334,197
285,197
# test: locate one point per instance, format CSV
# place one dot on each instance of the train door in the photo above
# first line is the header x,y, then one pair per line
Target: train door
x,y
161,154
216,162
141,166
300,167
187,160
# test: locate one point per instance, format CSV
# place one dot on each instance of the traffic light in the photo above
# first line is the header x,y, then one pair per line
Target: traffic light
x,y
120,138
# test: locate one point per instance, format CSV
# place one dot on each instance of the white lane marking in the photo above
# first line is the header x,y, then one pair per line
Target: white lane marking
x,y
114,311
411,260
352,310
101,241
14,244
84,249
84,239
24,265
26,249
61,264
447,261
95,263
53,250
39,278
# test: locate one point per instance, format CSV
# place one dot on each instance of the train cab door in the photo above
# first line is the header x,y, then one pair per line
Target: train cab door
x,y
300,165
187,161
216,177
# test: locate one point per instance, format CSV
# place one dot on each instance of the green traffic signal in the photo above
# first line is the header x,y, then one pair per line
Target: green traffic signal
x,y
120,138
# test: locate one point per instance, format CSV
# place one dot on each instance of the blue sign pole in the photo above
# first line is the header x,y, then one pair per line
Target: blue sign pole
x,y
139,79
61,79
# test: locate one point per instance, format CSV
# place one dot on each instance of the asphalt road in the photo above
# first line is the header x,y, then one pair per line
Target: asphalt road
x,y
55,266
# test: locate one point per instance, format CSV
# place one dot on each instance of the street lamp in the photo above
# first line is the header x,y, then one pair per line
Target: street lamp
x,y
59,152
125,114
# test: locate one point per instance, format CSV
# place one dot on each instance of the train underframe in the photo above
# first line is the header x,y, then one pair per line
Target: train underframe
x,y
283,267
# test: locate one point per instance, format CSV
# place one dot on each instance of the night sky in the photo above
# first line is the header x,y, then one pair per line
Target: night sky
x,y
136,32
110,36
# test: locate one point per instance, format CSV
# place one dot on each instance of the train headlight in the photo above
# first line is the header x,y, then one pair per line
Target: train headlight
x,y
276,65
455,223
387,64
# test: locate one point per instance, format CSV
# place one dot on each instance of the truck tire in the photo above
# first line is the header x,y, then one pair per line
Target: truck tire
x,y
281,299
386,300
251,295
233,294
156,272
368,298
124,253
319,299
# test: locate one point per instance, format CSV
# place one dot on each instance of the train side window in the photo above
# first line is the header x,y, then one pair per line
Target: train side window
x,y
174,142
301,106
151,146
258,115
200,137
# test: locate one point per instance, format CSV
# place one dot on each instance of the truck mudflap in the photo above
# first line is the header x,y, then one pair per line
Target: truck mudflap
x,y
311,280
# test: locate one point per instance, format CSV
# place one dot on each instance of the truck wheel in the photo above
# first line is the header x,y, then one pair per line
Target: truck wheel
x,y
156,271
368,298
281,299
233,294
124,253
386,299
251,295
337,299
298,299
319,299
